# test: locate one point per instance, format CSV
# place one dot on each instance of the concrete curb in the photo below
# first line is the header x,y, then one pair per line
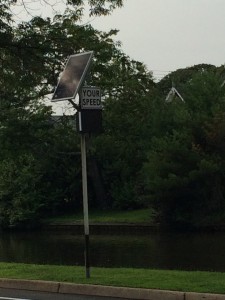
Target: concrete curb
x,y
30,285
201,296
119,292
107,291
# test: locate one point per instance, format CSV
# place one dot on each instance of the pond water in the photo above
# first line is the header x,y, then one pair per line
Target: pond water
x,y
183,251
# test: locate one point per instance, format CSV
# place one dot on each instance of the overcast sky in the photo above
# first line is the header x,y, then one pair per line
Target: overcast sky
x,y
170,34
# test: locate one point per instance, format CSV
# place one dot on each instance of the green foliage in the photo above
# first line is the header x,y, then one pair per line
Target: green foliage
x,y
39,176
20,198
121,148
39,158
169,155
184,172
181,77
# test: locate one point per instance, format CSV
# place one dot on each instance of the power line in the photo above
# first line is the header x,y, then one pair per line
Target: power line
x,y
162,71
160,74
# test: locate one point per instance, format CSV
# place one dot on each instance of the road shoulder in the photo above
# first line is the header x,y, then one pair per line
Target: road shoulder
x,y
106,291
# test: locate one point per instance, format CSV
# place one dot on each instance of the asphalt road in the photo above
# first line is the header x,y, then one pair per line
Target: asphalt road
x,y
13,294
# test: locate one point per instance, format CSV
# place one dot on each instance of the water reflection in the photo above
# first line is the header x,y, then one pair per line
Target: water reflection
x,y
193,251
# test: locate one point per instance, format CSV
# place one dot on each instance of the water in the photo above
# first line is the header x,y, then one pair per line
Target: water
x,y
182,251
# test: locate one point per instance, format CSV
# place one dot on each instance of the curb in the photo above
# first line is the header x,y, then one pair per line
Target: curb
x,y
30,285
119,292
106,291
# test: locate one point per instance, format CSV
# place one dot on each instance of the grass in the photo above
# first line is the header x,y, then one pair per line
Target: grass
x,y
187,281
132,216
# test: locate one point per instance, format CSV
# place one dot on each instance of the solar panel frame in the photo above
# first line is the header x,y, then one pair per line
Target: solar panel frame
x,y
73,76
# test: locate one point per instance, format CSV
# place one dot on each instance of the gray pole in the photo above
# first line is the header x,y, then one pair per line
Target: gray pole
x,y
85,204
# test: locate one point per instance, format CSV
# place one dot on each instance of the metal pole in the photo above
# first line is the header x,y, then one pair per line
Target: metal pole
x,y
85,204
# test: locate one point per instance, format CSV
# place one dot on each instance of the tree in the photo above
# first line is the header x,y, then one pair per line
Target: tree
x,y
184,173
121,148
95,7
39,168
181,77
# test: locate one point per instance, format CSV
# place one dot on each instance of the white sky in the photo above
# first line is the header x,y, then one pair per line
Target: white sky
x,y
170,34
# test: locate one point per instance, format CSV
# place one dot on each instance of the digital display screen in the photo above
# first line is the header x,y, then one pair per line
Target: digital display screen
x,y
72,76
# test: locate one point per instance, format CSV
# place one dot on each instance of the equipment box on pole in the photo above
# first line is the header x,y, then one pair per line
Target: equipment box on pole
x,y
89,121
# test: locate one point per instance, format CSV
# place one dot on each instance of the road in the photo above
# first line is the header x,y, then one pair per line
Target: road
x,y
13,294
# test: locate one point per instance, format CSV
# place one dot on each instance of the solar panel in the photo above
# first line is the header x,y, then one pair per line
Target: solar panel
x,y
72,76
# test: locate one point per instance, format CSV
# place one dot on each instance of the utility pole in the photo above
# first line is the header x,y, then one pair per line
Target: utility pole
x,y
89,119
85,204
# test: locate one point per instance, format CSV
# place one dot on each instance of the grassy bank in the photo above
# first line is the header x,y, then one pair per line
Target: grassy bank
x,y
132,216
211,282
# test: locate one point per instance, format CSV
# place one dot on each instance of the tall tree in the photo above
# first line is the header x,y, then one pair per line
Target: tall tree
x,y
38,165
121,148
184,174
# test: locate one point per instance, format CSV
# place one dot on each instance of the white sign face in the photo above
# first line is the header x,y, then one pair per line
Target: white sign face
x,y
90,98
